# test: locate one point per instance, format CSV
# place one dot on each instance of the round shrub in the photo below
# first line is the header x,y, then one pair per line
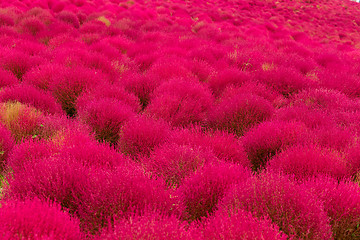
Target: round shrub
x,y
341,203
238,113
200,193
23,121
43,75
296,211
240,225
119,193
140,135
69,17
181,102
34,219
16,62
27,94
7,78
308,161
224,145
68,85
150,225
106,117
269,138
174,162
231,76
113,91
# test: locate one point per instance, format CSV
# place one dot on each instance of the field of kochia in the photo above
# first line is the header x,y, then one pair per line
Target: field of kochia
x,y
173,119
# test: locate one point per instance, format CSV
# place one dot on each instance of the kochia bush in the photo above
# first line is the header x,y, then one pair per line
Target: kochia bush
x,y
174,162
141,134
240,225
295,210
106,117
341,203
34,219
28,94
238,113
200,193
181,102
308,161
150,225
269,138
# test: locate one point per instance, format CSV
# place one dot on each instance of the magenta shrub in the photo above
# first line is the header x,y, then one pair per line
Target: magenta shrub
x,y
231,76
341,203
114,92
199,193
240,225
174,162
181,102
140,135
238,113
34,219
120,193
312,118
84,149
7,78
28,94
43,76
69,17
224,145
296,211
269,138
106,117
150,225
62,180
16,62
307,161
286,81
68,85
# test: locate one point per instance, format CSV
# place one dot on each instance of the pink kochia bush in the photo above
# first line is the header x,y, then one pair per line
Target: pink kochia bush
x,y
113,91
174,162
119,193
231,76
269,138
106,116
140,135
34,219
286,81
308,161
44,75
62,180
181,102
68,85
150,225
240,225
28,94
240,112
341,203
7,78
199,193
16,62
224,145
296,211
